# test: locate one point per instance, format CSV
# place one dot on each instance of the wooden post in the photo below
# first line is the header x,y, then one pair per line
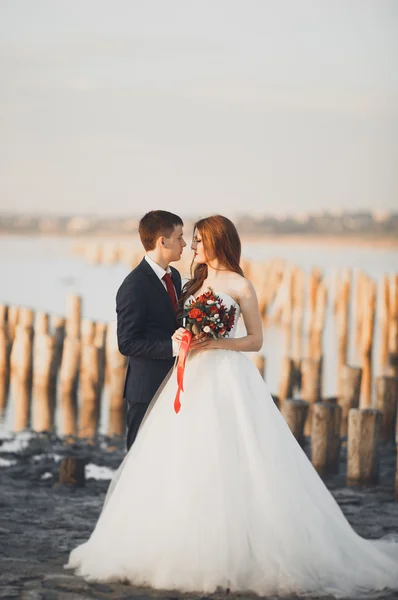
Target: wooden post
x,y
295,414
69,379
311,379
73,316
88,332
22,392
21,374
262,289
311,385
4,369
318,323
366,345
315,280
58,327
93,253
396,476
44,379
44,367
281,292
349,386
384,320
117,404
3,316
100,334
297,375
393,323
363,446
72,471
70,365
297,322
342,318
325,437
274,277
259,361
110,253
101,353
89,379
26,317
392,368
116,372
287,311
13,317
287,379
41,323
360,295
386,403
21,353
4,386
335,439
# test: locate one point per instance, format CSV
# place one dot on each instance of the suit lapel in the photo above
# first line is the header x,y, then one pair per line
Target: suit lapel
x,y
158,285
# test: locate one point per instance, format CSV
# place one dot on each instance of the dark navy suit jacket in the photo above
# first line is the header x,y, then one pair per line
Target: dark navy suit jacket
x,y
146,321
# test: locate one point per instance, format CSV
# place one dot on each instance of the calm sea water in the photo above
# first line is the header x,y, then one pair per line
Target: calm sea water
x,y
39,273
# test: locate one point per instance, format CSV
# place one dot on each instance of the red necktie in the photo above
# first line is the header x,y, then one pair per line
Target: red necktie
x,y
170,289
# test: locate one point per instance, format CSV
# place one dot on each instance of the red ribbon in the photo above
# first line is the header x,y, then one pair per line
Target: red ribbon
x,y
182,357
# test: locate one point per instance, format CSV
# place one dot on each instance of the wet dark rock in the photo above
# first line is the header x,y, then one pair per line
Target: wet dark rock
x,y
31,595
9,593
68,583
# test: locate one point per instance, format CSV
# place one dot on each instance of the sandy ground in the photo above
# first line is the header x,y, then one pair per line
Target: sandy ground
x,y
41,521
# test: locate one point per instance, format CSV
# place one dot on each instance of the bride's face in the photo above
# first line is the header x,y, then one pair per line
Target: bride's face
x,y
197,247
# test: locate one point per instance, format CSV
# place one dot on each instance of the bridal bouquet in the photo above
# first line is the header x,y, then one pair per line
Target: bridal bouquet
x,y
205,314
208,314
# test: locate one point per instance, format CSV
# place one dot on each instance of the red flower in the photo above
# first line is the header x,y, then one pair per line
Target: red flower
x,y
195,313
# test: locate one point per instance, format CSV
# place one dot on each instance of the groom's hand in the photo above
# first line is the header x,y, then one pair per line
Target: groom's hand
x,y
176,338
177,335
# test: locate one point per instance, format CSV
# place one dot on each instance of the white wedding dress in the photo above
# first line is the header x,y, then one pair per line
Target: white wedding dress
x,y
221,496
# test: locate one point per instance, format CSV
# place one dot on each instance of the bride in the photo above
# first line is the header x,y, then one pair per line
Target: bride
x,y
221,496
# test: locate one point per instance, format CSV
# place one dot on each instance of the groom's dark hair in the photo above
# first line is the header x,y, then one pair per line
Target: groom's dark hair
x,y
155,224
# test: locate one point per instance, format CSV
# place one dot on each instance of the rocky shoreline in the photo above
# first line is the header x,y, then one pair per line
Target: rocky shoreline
x,y
41,520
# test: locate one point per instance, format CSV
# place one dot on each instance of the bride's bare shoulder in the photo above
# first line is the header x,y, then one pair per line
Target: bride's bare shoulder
x,y
241,285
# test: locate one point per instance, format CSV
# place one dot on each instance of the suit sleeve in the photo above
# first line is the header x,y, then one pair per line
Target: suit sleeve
x,y
131,317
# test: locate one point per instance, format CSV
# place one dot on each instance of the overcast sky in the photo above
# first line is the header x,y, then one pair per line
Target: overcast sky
x,y
198,106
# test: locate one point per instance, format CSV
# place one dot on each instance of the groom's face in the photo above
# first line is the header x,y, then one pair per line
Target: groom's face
x,y
174,245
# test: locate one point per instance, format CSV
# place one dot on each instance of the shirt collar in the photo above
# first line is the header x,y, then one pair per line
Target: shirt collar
x,y
160,272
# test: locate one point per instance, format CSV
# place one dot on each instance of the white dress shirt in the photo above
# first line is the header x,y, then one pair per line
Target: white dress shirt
x,y
160,272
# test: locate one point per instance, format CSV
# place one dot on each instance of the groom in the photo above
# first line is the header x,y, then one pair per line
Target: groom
x,y
146,304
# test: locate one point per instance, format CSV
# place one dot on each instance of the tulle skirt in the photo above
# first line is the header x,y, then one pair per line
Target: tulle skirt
x,y
221,496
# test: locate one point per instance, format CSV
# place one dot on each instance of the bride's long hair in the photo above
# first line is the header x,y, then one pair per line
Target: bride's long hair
x,y
220,237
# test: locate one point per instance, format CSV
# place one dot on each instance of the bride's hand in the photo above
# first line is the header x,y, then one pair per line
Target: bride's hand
x,y
200,342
